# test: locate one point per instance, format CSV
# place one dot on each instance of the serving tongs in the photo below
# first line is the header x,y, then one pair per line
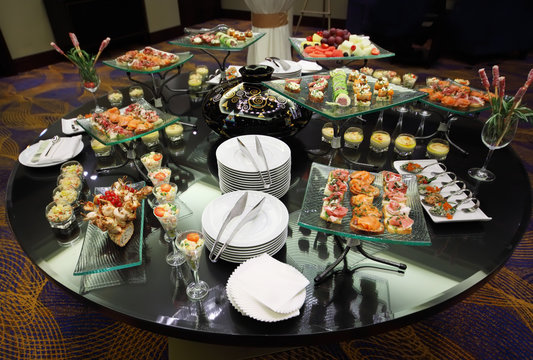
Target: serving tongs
x,y
236,211
261,153
250,157
219,27
282,63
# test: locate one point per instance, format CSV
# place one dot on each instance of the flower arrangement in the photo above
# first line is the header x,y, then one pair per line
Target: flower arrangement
x,y
83,61
505,108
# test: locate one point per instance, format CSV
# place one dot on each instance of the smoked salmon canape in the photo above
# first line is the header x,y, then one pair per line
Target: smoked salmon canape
x,y
367,225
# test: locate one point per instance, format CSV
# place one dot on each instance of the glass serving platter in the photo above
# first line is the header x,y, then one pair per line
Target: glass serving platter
x,y
335,112
312,206
166,118
241,45
99,254
183,58
451,109
297,45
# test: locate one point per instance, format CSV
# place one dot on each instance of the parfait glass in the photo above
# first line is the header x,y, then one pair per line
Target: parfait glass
x,y
496,134
167,214
191,244
90,82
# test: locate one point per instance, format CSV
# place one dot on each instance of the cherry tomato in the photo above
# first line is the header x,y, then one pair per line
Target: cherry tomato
x,y
158,157
166,187
158,211
160,176
193,237
374,51
309,38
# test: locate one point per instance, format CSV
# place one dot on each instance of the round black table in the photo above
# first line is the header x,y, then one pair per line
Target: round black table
x,y
352,303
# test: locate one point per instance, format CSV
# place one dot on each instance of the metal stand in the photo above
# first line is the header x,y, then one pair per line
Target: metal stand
x,y
130,162
356,243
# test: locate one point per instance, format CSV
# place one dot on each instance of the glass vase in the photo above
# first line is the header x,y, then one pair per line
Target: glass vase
x,y
90,82
496,134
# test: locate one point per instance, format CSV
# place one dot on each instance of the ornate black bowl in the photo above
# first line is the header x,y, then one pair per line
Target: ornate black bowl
x,y
245,106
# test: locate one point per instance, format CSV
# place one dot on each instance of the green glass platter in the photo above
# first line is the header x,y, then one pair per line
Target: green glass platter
x,y
241,45
183,58
297,45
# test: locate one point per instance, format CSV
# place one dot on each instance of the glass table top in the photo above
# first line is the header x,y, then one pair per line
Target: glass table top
x,y
183,58
333,111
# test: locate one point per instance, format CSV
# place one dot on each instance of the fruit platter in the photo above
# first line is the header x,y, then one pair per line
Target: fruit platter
x,y
380,207
114,126
221,37
148,60
343,93
454,96
336,44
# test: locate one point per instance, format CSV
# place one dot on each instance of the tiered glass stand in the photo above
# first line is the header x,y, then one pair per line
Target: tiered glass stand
x,y
162,75
318,177
185,41
128,142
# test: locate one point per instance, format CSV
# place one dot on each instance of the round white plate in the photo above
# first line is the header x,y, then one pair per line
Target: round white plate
x,y
272,219
230,155
26,156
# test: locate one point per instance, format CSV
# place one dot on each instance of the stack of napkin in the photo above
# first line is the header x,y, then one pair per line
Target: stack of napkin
x,y
266,289
60,151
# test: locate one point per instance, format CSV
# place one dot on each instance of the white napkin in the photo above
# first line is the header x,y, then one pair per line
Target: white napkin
x,y
273,283
309,65
63,150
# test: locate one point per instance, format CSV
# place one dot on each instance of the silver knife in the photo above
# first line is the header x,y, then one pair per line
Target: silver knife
x,y
261,153
249,155
248,217
237,209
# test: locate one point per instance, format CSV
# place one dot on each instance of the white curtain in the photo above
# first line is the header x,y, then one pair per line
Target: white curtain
x,y
276,40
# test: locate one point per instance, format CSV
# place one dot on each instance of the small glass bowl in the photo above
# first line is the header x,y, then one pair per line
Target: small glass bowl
x,y
72,167
328,131
152,160
203,71
69,180
115,98
136,93
437,149
379,141
60,216
66,195
404,144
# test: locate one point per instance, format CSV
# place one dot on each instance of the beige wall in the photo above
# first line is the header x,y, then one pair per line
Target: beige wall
x,y
27,31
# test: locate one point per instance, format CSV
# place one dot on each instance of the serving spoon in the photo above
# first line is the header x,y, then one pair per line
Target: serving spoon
x,y
427,180
418,170
432,199
438,209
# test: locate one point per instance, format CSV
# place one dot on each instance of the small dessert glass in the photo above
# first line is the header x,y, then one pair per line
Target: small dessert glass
x,y
379,141
404,144
165,193
437,149
353,136
174,132
203,71
152,160
101,150
191,244
167,214
66,195
328,132
151,139
136,93
61,218
160,176
115,98
69,180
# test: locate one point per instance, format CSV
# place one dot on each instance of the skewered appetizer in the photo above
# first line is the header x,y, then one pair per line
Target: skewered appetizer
x,y
115,210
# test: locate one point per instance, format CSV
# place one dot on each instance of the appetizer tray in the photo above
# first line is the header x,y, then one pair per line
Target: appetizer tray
x,y
107,138
336,112
99,254
297,45
454,109
183,58
313,200
459,216
185,41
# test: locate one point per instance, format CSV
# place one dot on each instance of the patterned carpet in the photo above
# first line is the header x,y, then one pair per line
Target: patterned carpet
x,y
39,320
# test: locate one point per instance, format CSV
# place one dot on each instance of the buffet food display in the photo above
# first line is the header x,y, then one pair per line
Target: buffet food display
x,y
148,60
455,95
221,37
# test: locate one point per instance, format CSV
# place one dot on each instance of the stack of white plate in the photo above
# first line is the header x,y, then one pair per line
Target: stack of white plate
x,y
294,69
266,233
237,172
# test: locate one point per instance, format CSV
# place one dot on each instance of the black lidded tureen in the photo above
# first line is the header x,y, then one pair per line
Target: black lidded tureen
x,y
244,106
